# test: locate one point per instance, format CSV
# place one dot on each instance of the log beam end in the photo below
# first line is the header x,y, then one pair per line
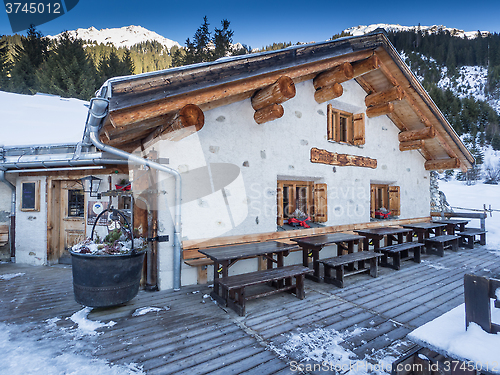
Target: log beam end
x,y
269,113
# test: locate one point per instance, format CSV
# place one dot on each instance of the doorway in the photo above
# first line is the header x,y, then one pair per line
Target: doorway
x,y
68,219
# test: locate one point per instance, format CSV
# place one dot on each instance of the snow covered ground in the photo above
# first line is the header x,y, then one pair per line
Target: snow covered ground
x,y
52,350
475,196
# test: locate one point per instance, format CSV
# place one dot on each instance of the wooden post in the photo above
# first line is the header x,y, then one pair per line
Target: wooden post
x,y
328,93
412,145
339,74
365,66
382,97
413,135
380,110
280,91
269,113
477,302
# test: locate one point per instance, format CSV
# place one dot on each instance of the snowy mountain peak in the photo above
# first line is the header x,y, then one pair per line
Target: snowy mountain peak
x,y
120,37
362,29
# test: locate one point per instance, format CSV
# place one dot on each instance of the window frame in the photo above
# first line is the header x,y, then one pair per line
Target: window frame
x,y
389,199
317,214
69,206
36,206
350,132
292,186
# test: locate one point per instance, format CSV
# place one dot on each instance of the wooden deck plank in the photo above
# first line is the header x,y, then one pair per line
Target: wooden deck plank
x,y
194,335
229,363
173,365
251,364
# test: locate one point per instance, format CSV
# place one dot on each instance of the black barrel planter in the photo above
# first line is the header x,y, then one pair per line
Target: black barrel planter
x,y
106,280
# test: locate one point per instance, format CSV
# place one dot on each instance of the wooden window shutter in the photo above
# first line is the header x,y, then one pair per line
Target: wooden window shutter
x,y
320,203
336,126
358,121
279,196
394,201
329,121
373,202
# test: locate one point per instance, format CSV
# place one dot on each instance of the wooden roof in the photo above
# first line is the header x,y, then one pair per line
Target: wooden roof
x,y
146,106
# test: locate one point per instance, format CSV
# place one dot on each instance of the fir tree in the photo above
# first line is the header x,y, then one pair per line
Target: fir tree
x,y
127,64
28,57
223,41
203,47
69,71
112,66
178,56
4,64
201,42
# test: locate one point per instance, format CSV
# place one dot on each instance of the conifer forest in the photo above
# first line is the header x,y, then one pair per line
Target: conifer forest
x,y
71,67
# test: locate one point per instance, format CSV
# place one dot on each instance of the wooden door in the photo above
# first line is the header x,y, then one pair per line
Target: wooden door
x,y
71,217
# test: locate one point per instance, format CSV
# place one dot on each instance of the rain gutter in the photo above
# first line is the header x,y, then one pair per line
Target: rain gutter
x,y
98,110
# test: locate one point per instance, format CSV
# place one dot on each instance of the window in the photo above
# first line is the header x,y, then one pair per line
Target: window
x,y
306,196
385,196
76,203
30,196
345,127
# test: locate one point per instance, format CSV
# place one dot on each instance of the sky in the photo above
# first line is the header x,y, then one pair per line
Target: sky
x,y
259,23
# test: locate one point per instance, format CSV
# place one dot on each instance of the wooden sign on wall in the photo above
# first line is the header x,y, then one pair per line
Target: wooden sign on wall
x,y
332,158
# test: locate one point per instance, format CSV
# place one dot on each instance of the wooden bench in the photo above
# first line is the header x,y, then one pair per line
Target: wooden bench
x,y
234,286
4,235
468,237
436,245
192,257
341,262
399,253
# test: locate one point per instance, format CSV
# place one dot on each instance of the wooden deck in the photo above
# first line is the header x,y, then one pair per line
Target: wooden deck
x,y
193,335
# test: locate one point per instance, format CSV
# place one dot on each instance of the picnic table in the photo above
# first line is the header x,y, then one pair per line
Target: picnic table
x,y
377,234
311,246
452,224
225,256
424,230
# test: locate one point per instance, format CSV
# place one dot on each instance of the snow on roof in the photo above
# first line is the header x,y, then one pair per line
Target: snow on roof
x,y
40,119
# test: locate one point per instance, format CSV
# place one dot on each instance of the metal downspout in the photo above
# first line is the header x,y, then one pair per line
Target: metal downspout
x,y
12,222
97,111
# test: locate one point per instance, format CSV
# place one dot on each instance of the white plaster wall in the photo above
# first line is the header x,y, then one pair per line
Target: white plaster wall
x,y
281,150
31,227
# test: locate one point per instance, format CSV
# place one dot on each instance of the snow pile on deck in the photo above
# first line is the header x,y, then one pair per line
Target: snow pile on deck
x,y
326,350
9,276
86,326
448,333
145,310
25,354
